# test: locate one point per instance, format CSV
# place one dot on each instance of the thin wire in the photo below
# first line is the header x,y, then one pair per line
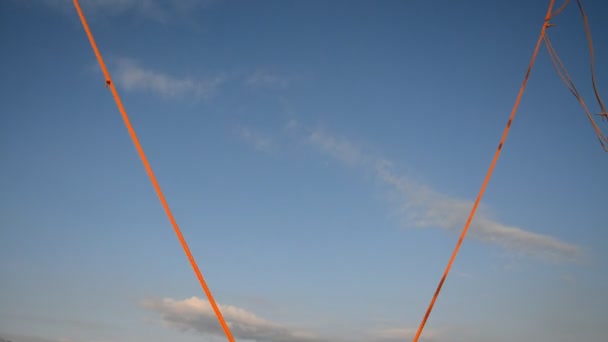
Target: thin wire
x,y
567,80
604,114
488,175
560,9
142,155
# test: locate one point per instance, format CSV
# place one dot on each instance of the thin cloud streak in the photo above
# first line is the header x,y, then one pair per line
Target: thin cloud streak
x,y
133,77
259,141
424,207
339,149
403,334
264,78
24,338
155,10
421,206
196,314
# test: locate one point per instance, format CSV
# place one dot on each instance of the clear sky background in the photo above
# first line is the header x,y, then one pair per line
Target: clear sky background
x,y
320,157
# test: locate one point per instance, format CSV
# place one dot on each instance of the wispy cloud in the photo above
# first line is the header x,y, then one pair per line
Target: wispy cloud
x,y
422,206
146,8
425,207
133,77
25,338
196,314
157,10
69,324
259,141
403,334
339,149
261,78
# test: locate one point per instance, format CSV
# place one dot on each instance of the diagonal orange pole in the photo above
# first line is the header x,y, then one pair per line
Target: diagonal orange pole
x,y
488,174
159,192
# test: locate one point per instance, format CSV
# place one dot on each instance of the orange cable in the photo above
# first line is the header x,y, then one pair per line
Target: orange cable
x,y
604,114
567,80
488,175
561,8
142,155
563,74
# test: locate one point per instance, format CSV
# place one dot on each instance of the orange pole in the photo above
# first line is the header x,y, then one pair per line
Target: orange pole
x,y
144,160
488,174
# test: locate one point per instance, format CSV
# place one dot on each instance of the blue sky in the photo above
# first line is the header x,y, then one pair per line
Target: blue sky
x,y
320,158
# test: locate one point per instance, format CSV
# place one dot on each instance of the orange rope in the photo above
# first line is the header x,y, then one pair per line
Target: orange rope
x,y
561,8
488,175
565,77
604,114
142,155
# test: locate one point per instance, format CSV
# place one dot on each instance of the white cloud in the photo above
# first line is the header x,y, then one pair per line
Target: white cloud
x,y
422,206
145,8
337,148
291,125
26,338
265,78
132,76
157,10
256,139
425,207
196,314
404,334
